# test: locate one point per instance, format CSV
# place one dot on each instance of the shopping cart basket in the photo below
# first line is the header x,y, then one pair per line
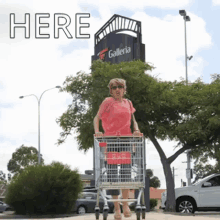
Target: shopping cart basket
x,y
120,164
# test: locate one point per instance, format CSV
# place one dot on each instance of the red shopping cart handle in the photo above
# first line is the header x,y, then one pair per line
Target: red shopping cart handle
x,y
124,135
103,144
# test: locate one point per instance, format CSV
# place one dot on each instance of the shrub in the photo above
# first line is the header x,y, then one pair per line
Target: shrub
x,y
44,189
153,203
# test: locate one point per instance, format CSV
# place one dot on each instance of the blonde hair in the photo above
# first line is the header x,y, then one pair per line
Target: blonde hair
x,y
117,81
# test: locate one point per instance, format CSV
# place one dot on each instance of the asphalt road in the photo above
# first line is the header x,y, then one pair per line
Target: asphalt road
x,y
154,215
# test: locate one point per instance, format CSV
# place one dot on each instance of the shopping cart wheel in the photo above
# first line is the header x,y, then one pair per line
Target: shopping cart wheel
x,y
105,214
97,213
143,208
138,212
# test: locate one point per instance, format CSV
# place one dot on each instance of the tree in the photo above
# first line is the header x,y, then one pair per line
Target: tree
x,y
201,166
164,110
202,169
3,179
22,158
209,110
154,181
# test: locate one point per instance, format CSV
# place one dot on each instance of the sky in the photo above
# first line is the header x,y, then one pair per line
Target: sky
x,y
31,66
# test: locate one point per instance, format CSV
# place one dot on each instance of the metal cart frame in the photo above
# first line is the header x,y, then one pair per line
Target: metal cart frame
x,y
118,150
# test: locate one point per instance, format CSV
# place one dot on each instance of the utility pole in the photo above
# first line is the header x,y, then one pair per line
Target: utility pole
x,y
188,170
174,176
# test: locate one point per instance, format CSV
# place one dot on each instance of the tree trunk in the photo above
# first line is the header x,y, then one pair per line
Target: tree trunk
x,y
171,201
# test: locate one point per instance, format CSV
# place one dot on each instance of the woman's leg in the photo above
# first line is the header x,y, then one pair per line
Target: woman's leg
x,y
112,177
126,210
125,195
117,206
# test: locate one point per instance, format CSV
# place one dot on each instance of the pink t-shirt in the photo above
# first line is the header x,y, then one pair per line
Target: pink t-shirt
x,y
116,116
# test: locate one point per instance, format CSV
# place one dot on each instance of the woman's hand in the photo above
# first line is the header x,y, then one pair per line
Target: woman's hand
x,y
98,134
137,133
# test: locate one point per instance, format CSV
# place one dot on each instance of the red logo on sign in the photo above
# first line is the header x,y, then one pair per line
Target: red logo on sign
x,y
101,54
119,158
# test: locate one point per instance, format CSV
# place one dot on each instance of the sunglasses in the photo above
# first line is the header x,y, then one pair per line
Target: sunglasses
x,y
115,87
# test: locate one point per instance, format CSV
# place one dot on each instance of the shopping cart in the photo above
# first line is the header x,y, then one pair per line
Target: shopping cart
x,y
120,164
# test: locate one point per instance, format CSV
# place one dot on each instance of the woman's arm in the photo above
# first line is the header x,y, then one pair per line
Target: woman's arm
x,y
136,129
96,125
135,124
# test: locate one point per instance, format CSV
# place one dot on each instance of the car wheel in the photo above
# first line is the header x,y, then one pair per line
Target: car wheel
x,y
81,210
185,205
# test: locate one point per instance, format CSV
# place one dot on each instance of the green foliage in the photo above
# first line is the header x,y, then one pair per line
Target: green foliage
x,y
153,203
39,189
154,181
201,166
207,111
22,158
3,179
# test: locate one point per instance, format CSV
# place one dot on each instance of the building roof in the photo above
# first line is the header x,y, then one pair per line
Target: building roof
x,y
156,193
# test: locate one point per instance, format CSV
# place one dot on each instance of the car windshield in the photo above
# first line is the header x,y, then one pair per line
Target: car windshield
x,y
199,181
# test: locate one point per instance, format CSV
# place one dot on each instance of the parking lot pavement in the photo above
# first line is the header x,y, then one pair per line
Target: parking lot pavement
x,y
154,215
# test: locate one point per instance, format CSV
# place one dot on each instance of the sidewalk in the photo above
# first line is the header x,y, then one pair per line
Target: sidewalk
x,y
153,215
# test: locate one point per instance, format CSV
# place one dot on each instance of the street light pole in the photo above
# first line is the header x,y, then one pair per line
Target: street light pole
x,y
186,18
38,100
185,51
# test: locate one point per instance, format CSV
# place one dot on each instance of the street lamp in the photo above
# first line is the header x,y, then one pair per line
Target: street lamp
x,y
21,97
186,18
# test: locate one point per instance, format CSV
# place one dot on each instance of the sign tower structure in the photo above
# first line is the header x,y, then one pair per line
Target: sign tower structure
x,y
112,45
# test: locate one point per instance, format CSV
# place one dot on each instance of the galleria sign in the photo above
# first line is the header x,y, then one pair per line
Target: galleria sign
x,y
119,52
111,53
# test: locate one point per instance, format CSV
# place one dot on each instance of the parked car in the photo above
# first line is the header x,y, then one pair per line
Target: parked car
x,y
4,207
87,202
203,195
94,190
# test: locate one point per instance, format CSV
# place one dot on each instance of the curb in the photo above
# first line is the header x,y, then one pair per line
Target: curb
x,y
13,216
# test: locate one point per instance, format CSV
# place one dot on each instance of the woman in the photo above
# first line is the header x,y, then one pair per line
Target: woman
x,y
116,113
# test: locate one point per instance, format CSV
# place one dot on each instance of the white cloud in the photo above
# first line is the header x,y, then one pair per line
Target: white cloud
x,y
165,44
130,5
215,2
